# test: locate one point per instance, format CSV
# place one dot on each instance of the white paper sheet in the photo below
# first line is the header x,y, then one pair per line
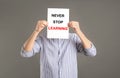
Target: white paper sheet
x,y
58,19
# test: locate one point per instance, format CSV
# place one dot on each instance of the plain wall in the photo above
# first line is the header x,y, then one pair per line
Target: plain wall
x,y
99,20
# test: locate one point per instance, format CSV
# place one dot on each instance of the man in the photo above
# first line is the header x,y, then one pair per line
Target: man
x,y
58,57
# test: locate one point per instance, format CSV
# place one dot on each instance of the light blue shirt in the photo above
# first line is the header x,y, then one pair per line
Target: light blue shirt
x,y
58,57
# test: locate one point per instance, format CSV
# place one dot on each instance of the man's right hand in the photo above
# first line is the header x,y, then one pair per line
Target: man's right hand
x,y
40,25
29,43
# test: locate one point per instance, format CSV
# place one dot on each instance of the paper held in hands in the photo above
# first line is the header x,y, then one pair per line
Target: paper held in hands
x,y
58,19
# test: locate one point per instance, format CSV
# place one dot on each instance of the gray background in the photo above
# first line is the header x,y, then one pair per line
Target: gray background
x,y
100,21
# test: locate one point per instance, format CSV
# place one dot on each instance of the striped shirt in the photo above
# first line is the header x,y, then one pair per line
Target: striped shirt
x,y
58,57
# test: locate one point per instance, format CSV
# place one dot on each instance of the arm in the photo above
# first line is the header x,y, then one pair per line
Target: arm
x,y
30,42
87,44
28,45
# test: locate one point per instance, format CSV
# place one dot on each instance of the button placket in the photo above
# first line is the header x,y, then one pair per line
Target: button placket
x,y
59,72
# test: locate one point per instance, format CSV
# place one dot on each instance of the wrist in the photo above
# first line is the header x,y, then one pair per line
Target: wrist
x,y
36,32
78,31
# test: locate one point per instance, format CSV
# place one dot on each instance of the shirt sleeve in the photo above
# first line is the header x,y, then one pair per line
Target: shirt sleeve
x,y
36,49
86,51
90,51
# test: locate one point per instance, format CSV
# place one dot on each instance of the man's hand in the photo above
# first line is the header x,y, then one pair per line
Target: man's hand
x,y
75,26
28,45
40,25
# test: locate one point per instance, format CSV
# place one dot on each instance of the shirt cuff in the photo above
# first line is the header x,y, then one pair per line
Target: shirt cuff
x,y
91,51
26,53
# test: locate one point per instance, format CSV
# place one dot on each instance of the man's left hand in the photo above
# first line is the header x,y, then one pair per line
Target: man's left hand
x,y
74,25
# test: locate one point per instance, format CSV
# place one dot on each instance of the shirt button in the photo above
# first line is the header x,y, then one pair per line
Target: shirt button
x,y
58,52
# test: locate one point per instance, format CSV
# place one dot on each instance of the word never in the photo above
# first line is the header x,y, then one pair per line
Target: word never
x,y
57,15
57,21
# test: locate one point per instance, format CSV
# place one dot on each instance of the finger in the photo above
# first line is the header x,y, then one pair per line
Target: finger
x,y
45,23
69,24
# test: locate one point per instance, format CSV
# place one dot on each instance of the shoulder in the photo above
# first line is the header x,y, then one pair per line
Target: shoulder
x,y
74,36
41,37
